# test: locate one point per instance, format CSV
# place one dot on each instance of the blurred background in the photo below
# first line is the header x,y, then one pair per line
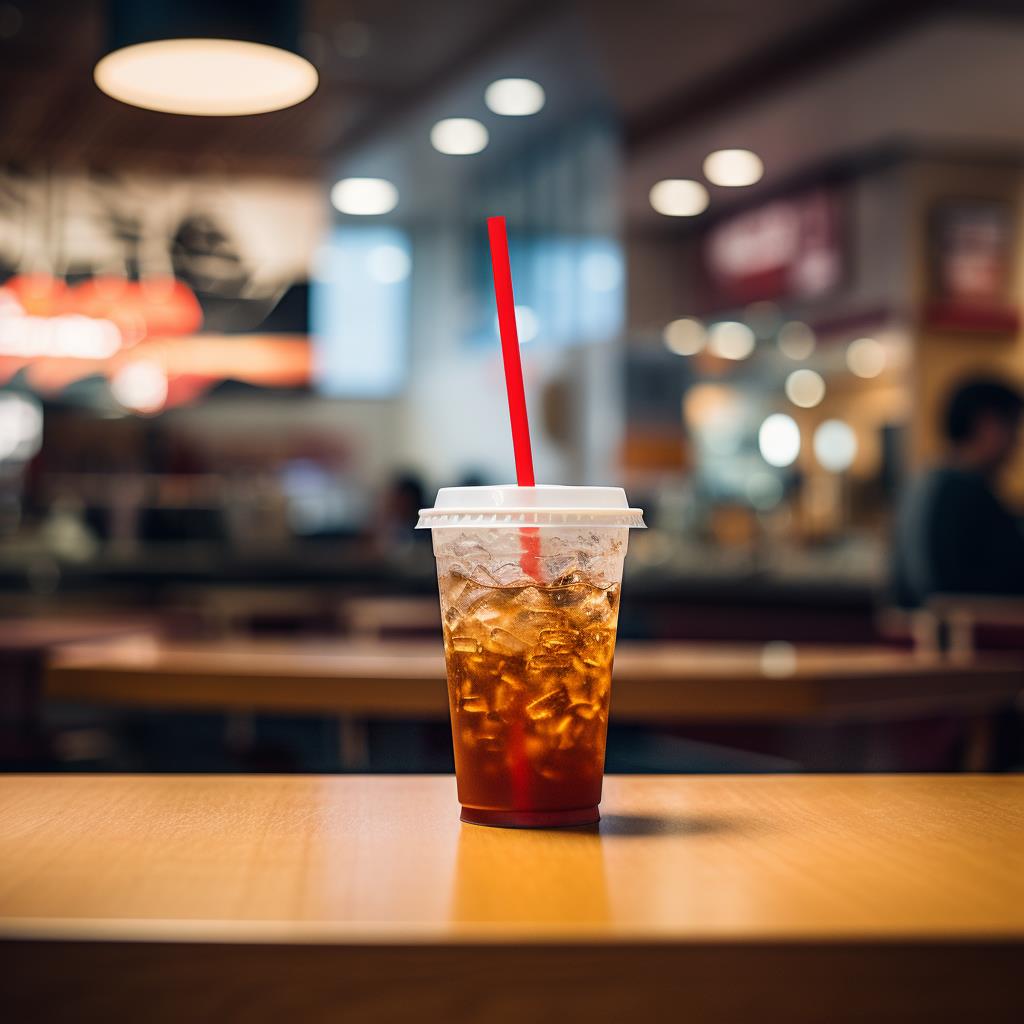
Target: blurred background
x,y
755,247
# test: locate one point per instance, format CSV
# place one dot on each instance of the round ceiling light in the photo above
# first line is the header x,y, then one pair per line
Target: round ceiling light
x,y
364,197
206,77
205,57
514,97
733,168
679,197
459,136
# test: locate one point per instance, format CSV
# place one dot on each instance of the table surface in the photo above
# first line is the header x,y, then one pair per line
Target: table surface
x,y
364,859
406,678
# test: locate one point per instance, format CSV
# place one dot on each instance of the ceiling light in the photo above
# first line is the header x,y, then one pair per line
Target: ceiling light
x,y
514,97
679,197
835,445
779,440
733,168
458,136
209,59
805,388
685,336
866,357
731,340
364,197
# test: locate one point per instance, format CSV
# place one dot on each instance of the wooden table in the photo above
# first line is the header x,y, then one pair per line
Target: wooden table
x,y
652,681
795,899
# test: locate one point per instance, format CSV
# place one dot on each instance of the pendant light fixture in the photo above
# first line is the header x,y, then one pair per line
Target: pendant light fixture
x,y
205,57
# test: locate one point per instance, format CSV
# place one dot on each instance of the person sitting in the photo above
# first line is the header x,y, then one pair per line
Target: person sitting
x,y
953,534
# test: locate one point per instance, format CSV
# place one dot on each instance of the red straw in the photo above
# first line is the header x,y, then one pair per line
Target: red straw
x,y
510,351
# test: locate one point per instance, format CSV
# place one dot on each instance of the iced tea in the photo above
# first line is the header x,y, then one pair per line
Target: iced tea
x,y
529,679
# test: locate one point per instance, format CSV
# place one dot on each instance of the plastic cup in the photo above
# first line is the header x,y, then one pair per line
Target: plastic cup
x,y
529,580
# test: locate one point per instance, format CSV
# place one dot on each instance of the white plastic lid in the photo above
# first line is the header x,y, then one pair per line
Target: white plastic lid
x,y
543,505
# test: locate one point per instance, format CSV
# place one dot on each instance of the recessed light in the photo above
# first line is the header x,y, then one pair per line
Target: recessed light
x,y
459,136
514,97
733,168
679,197
363,197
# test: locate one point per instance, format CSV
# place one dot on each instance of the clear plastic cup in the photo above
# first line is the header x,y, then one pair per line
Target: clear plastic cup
x,y
529,579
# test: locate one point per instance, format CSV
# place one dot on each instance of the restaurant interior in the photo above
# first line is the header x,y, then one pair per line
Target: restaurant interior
x,y
768,279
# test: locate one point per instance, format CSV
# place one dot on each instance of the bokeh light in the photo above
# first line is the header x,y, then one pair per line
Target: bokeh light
x,y
685,336
835,445
731,340
779,440
805,388
866,357
140,386
796,340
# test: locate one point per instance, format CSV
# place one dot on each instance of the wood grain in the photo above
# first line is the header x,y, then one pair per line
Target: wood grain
x,y
788,898
683,681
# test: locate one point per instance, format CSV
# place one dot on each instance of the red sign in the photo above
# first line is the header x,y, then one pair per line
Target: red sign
x,y
787,248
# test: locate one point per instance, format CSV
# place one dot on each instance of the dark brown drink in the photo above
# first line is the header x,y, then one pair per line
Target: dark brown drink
x,y
529,680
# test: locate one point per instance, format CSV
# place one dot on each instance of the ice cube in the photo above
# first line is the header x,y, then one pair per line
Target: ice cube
x,y
559,641
597,646
466,645
474,704
551,705
505,642
582,709
549,662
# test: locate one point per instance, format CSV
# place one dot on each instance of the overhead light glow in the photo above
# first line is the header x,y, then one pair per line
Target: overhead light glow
x,y
685,336
514,97
364,197
388,264
805,388
208,77
733,168
731,340
459,136
779,440
835,445
796,340
140,386
679,197
866,357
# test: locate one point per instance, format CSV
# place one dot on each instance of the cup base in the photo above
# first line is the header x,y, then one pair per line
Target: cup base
x,y
531,819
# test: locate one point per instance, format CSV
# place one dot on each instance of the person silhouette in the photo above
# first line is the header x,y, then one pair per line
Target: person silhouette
x,y
953,534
